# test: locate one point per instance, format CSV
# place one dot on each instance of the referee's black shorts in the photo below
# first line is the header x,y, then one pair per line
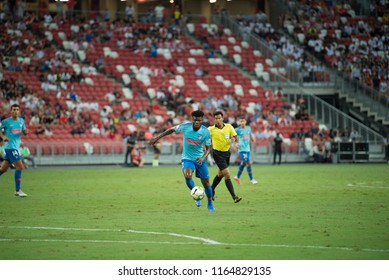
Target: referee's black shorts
x,y
222,159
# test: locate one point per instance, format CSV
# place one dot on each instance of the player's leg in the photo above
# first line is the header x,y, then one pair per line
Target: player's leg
x,y
209,194
187,170
221,164
227,179
217,180
207,188
19,166
12,157
229,185
241,166
203,174
249,170
5,165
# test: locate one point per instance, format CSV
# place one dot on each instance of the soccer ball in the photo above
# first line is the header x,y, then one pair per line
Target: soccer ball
x,y
197,193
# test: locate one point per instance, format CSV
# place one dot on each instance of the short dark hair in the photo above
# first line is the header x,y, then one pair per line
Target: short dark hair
x,y
15,105
242,117
197,114
218,113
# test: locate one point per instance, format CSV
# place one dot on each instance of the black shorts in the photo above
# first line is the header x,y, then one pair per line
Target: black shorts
x,y
222,159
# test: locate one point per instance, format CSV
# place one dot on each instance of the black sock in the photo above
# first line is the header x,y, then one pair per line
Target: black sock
x,y
230,187
216,182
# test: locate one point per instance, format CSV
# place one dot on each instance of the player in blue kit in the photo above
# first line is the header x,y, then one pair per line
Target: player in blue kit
x,y
195,137
245,135
10,131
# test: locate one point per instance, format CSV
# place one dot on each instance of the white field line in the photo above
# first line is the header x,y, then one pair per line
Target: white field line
x,y
203,240
370,185
190,243
367,187
312,247
95,241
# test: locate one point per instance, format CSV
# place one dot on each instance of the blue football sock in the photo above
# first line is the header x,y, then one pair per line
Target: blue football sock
x,y
189,183
1,172
18,179
208,193
240,170
250,172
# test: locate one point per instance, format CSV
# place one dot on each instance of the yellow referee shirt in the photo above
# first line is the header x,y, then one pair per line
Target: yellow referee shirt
x,y
221,138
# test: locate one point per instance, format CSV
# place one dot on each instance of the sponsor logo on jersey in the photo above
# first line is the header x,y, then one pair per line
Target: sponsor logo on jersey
x,y
192,141
16,130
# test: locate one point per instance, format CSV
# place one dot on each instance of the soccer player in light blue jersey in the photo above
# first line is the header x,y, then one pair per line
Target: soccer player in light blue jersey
x,y
195,137
245,135
10,131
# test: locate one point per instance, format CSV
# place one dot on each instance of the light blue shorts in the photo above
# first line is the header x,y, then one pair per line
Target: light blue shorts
x,y
201,170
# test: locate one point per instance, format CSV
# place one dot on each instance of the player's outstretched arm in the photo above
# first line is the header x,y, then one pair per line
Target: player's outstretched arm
x,y
163,134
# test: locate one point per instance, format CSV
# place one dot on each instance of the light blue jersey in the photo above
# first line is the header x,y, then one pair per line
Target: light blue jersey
x,y
193,140
13,130
244,135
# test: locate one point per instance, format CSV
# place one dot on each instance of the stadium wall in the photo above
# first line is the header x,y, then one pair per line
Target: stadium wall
x,y
262,153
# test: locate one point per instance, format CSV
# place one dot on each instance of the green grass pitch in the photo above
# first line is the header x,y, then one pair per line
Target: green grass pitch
x,y
296,212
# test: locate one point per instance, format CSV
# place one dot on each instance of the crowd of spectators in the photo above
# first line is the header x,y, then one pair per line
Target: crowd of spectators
x,y
295,54
355,45
54,71
75,113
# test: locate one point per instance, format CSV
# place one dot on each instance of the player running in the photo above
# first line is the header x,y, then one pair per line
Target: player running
x,y
244,135
195,136
10,131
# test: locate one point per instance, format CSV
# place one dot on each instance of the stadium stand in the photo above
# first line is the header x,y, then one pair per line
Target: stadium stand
x,y
86,85
342,39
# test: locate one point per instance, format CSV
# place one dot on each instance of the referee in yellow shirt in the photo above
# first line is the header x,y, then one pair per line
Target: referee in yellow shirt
x,y
222,134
